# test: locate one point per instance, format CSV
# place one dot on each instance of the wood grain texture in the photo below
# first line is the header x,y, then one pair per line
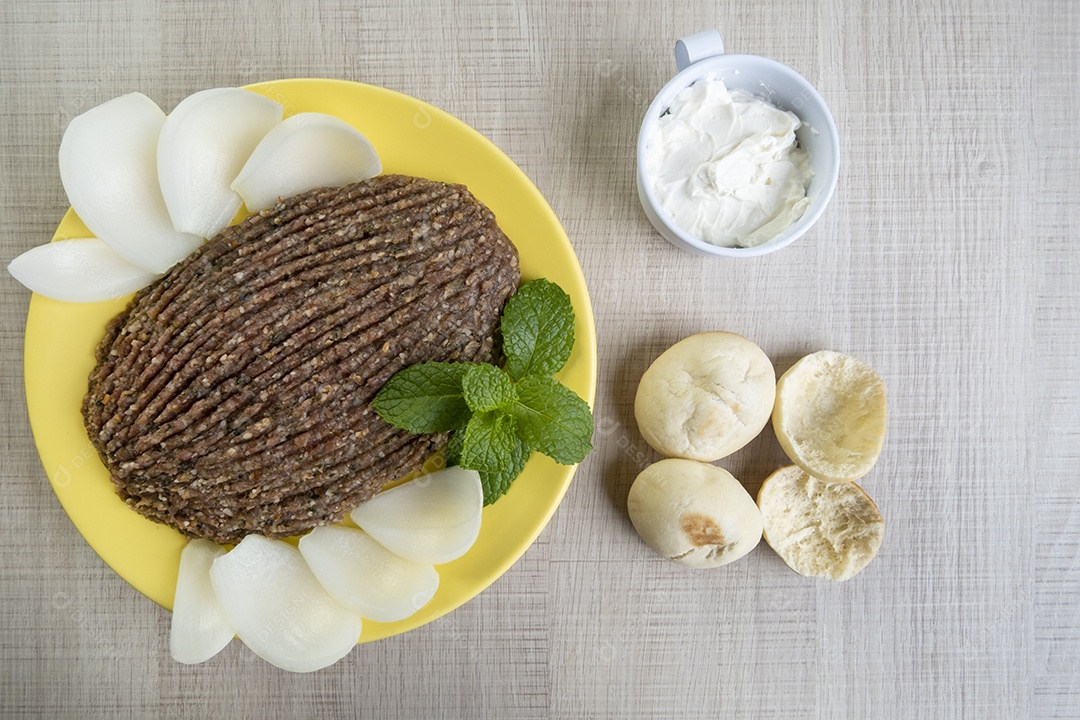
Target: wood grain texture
x,y
947,259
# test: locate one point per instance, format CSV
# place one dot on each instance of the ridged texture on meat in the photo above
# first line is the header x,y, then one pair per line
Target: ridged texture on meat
x,y
233,396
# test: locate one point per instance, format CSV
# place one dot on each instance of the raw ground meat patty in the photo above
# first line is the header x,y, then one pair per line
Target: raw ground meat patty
x,y
233,396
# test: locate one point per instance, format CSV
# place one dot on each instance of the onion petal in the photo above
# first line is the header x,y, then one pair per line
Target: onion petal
x,y
278,608
108,164
364,576
432,520
80,270
204,143
199,628
304,152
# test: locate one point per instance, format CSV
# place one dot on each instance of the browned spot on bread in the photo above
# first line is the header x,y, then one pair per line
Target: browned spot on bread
x,y
701,530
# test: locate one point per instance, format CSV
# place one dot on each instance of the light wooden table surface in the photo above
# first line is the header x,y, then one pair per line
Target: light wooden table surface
x,y
948,259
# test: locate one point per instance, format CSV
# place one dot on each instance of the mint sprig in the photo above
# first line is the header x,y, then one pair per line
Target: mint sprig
x,y
498,416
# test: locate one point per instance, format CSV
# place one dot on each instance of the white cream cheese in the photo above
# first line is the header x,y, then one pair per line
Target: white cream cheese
x,y
726,167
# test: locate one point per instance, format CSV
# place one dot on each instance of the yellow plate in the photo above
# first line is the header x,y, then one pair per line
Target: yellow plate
x,y
411,137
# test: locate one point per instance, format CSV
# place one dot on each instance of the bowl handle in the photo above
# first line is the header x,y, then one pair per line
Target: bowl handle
x,y
690,49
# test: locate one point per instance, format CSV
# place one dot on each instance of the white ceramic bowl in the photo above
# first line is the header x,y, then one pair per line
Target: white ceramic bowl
x,y
702,55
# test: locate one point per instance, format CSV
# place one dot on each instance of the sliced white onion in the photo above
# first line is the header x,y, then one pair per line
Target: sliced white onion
x,y
108,164
433,519
80,270
278,608
204,143
364,576
199,628
304,152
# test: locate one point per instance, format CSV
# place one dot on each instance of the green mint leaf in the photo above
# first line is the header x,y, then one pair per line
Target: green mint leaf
x,y
537,329
425,398
489,440
551,418
497,482
486,388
